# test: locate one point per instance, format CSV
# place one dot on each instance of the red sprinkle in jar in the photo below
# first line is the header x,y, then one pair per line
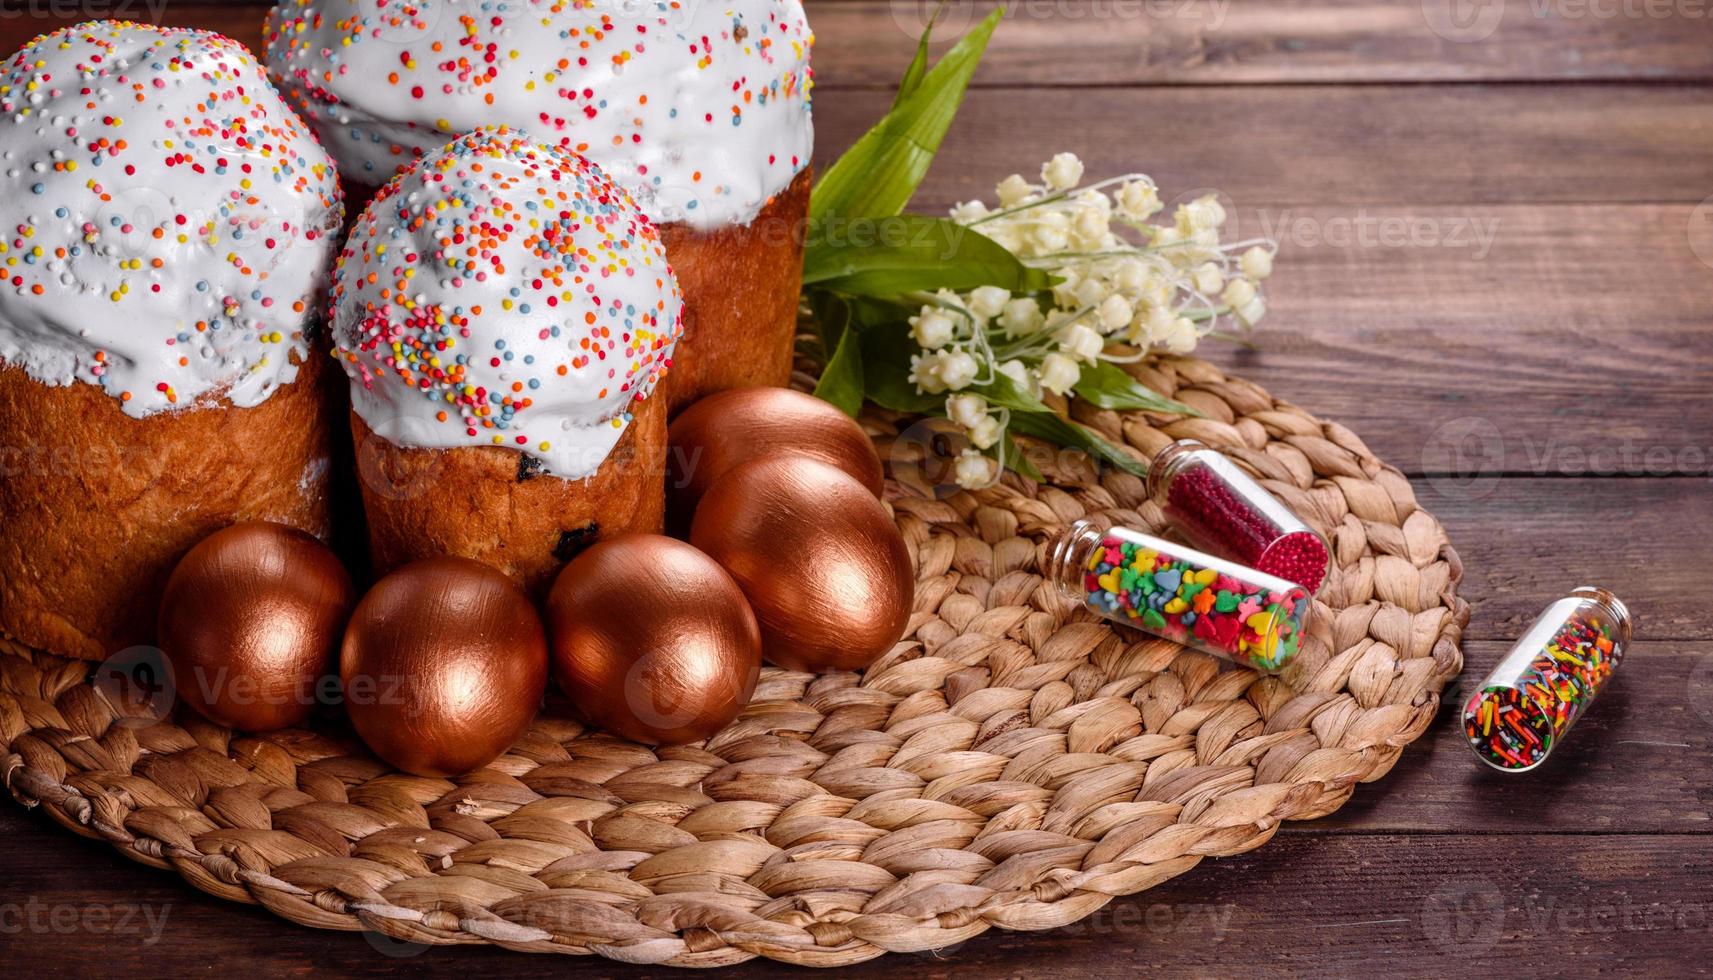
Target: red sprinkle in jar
x,y
1221,509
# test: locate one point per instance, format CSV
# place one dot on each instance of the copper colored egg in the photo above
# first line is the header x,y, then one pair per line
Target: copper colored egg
x,y
250,620
652,640
443,666
818,557
732,427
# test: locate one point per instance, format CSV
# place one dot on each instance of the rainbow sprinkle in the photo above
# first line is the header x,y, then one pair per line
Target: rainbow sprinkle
x,y
1521,713
1190,598
700,109
169,219
504,292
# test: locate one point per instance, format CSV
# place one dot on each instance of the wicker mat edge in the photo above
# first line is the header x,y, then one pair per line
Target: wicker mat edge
x,y
1012,763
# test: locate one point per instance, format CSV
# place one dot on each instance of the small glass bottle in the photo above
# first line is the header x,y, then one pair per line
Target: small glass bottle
x,y
1180,594
1527,704
1221,509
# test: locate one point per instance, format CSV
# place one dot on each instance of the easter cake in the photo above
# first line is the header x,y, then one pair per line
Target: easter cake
x,y
167,229
700,110
504,312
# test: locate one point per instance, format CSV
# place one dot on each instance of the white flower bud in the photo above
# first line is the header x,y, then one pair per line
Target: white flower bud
x,y
1208,278
1115,312
1059,373
969,211
985,432
1080,342
1021,316
1092,292
1161,321
1018,372
925,372
1062,172
1089,228
1138,200
1250,313
1180,337
1095,200
1257,263
1201,214
958,370
1157,292
966,410
988,301
1052,234
1132,276
1012,191
933,329
1237,293
1065,290
974,470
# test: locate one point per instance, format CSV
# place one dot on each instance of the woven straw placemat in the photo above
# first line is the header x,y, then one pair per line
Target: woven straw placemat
x,y
1013,762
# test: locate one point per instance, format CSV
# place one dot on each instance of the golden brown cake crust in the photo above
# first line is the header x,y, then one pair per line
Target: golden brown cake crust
x,y
97,507
494,505
740,287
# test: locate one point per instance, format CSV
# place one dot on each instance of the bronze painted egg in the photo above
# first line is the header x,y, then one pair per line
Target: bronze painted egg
x,y
818,557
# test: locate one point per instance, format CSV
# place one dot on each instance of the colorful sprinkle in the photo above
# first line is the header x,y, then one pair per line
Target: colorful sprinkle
x,y
169,219
1221,509
504,292
385,81
1539,689
1187,597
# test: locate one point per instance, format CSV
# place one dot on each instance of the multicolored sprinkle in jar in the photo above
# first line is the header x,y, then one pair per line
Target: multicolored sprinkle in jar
x,y
1174,592
1540,688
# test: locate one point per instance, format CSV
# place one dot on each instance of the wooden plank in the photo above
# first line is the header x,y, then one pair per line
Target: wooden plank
x,y
1634,763
1347,145
1197,42
1526,541
1542,339
1437,905
1180,42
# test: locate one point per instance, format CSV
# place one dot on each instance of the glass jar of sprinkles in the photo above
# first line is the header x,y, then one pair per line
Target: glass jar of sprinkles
x,y
1527,704
1221,509
1180,594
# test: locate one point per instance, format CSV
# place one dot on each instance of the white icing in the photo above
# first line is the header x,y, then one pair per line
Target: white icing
x,y
503,292
167,219
699,107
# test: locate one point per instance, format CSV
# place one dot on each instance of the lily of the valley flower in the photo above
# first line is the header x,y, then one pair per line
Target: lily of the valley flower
x,y
1120,278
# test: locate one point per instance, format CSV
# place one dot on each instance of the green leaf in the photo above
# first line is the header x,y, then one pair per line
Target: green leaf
x,y
1004,392
879,174
1018,462
886,370
831,315
1107,385
842,379
912,79
1057,429
908,252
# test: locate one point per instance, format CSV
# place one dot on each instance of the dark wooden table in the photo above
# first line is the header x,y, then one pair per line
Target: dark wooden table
x,y
1497,268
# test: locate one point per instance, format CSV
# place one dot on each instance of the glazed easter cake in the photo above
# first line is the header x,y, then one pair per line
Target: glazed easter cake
x,y
701,110
504,312
168,222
